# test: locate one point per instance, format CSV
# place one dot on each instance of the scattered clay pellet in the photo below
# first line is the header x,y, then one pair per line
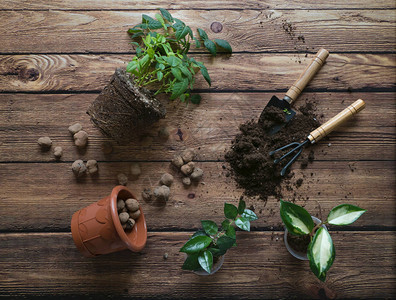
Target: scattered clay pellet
x,y
134,215
92,166
187,169
177,161
196,175
120,204
165,255
135,171
132,204
45,143
163,134
166,179
107,147
124,216
81,139
130,223
122,179
73,129
79,168
162,193
188,155
58,151
147,195
186,181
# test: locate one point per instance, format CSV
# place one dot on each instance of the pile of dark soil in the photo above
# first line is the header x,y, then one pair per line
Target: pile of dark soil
x,y
251,165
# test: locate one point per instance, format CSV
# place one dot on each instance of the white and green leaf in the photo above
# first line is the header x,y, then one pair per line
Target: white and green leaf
x,y
321,253
210,227
243,223
344,214
205,260
296,219
249,215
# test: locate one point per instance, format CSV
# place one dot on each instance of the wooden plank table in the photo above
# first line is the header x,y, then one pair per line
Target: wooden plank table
x,y
56,56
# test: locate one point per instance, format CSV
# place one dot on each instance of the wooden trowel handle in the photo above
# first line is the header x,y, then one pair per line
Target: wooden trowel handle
x,y
336,121
306,76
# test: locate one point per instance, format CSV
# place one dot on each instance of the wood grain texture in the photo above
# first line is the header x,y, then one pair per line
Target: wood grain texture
x,y
259,267
247,30
24,118
50,194
190,4
260,72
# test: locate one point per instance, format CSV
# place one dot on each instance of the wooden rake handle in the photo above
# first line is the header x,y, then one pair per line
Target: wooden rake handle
x,y
306,76
336,121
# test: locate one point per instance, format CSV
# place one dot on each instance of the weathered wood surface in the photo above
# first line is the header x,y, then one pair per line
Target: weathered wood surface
x,y
259,267
191,4
24,118
51,194
247,30
253,72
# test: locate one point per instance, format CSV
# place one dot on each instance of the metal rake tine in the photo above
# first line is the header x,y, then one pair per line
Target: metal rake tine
x,y
288,153
284,147
283,172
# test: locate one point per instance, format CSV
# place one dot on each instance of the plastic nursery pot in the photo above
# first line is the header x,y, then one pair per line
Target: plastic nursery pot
x,y
295,253
96,229
216,266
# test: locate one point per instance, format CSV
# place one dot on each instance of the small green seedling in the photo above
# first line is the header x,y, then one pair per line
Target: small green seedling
x,y
161,56
210,243
321,252
286,111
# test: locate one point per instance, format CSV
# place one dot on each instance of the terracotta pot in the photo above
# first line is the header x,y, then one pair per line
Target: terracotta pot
x,y
295,253
215,267
96,229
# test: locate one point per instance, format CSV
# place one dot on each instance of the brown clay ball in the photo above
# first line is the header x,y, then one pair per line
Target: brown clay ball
x,y
186,181
132,204
162,193
122,179
45,143
147,195
187,169
81,139
130,223
177,161
120,205
134,215
79,168
188,155
166,179
58,151
92,166
197,174
73,129
124,216
135,171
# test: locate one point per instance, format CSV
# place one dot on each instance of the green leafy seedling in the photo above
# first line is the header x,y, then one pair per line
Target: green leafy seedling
x,y
162,59
321,252
212,242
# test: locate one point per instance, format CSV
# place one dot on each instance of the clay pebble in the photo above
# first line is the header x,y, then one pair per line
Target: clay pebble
x,y
124,216
79,168
45,143
134,215
76,127
130,223
186,181
166,179
81,139
120,205
162,193
177,161
135,171
132,204
188,168
92,166
58,152
122,179
196,175
188,155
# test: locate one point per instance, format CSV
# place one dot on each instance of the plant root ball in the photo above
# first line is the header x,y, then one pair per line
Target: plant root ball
x,y
122,179
188,155
186,181
92,166
166,179
73,129
58,151
45,143
130,223
79,168
196,175
162,193
81,139
124,216
135,171
132,204
120,205
177,161
134,215
187,169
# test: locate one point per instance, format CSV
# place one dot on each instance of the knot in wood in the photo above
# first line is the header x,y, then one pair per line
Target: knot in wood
x,y
216,27
29,74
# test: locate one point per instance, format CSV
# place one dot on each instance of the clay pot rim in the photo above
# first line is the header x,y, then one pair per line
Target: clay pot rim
x,y
117,224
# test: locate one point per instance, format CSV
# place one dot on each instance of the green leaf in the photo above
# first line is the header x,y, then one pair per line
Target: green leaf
x,y
206,260
225,224
224,243
185,71
210,227
176,72
210,46
230,211
160,19
230,232
131,66
181,32
137,34
243,223
195,99
241,206
166,14
296,219
191,262
152,24
160,75
173,61
224,44
198,233
197,43
196,244
134,30
202,34
249,215
344,214
179,88
321,253
205,74
217,252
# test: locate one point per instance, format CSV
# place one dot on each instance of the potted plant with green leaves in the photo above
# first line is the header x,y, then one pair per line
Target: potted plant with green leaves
x,y
126,107
307,237
206,248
